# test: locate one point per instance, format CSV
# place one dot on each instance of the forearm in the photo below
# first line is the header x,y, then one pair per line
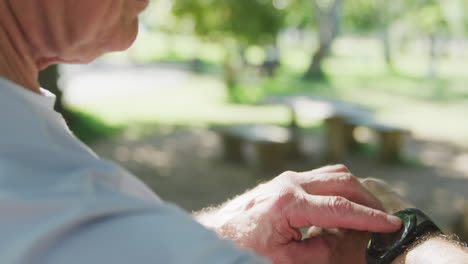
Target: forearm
x,y
267,219
435,250
219,218
211,218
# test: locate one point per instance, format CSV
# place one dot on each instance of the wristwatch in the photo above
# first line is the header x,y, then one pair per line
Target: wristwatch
x,y
383,248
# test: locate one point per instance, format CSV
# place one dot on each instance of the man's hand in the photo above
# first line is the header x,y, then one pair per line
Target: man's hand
x,y
349,246
267,219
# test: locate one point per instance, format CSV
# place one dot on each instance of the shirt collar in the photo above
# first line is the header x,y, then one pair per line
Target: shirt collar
x,y
46,99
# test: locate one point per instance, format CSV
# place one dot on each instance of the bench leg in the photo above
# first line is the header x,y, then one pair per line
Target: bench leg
x,y
270,156
295,151
232,148
336,142
351,142
390,145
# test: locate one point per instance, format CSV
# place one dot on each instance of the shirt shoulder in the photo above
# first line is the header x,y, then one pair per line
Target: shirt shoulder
x,y
160,234
60,203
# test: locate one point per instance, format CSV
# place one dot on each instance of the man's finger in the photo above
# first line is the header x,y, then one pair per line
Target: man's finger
x,y
339,212
330,168
339,184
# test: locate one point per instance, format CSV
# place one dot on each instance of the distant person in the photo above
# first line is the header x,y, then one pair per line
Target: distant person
x,y
60,203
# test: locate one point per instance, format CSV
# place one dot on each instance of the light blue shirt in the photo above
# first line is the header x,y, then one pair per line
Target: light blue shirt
x,y
61,204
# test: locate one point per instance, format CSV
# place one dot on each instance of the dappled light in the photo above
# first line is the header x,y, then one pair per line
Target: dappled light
x,y
460,163
364,135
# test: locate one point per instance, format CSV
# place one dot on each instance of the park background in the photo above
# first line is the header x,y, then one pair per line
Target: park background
x,y
198,64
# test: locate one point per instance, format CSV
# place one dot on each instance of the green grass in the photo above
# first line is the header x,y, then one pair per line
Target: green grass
x,y
89,128
433,108
200,100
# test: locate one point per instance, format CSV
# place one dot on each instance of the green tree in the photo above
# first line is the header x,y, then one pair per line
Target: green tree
x,y
248,21
375,17
327,20
430,20
235,23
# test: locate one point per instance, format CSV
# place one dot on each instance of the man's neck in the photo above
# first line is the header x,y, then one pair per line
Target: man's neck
x,y
16,60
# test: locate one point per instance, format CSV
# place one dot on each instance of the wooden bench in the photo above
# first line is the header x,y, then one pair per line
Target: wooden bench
x,y
390,138
341,118
262,146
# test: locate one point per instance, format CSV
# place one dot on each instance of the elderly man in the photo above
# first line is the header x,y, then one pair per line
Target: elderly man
x,y
62,204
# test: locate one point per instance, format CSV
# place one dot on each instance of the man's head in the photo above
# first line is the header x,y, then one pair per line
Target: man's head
x,y
72,31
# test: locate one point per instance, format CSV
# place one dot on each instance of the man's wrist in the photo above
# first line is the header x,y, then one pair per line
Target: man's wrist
x,y
435,249
209,218
219,218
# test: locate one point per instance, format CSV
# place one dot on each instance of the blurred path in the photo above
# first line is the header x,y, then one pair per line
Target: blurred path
x,y
184,166
93,83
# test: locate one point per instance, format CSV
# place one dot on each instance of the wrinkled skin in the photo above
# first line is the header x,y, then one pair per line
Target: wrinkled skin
x,y
77,30
267,219
38,33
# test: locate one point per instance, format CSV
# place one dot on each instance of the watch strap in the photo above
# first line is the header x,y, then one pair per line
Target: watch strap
x,y
422,226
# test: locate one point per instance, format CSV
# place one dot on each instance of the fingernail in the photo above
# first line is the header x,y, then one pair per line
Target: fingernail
x,y
394,220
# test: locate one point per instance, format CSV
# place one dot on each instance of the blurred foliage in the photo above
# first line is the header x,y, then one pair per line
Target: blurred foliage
x,y
259,22
248,21
429,18
89,128
425,16
355,72
236,25
209,36
362,16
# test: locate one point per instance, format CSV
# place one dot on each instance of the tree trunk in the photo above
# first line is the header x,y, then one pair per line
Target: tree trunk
x,y
271,61
432,71
232,67
48,79
315,68
384,19
387,49
328,21
229,76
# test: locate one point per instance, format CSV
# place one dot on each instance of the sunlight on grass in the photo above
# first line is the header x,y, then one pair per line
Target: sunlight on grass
x,y
152,46
429,107
191,114
199,100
